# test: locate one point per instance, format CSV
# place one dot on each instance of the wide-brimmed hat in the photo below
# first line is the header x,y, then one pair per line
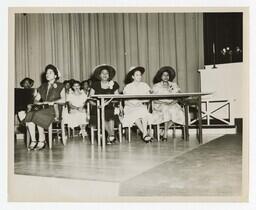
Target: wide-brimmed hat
x,y
31,82
169,70
134,69
97,71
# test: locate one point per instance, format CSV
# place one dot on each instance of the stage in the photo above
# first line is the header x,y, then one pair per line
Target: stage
x,y
173,168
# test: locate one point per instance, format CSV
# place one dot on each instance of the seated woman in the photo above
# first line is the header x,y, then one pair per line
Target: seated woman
x,y
135,111
67,87
27,83
77,113
86,86
48,94
105,85
166,111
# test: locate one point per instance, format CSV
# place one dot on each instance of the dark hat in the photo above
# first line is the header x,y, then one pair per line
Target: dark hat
x,y
54,68
133,69
163,69
26,79
97,71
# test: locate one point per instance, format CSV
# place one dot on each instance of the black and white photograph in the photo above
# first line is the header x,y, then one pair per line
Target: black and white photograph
x,y
109,105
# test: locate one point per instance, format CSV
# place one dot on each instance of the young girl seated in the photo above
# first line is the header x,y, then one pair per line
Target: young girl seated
x,y
77,114
135,111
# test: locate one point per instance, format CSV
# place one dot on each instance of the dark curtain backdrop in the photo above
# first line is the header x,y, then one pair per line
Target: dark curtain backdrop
x,y
76,43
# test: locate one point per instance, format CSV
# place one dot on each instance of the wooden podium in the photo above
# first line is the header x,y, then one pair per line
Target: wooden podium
x,y
227,84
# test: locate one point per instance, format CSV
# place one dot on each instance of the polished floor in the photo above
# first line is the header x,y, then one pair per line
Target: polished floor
x,y
213,169
119,163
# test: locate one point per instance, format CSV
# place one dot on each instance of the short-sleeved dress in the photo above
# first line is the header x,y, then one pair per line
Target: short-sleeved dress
x,y
165,110
109,109
135,109
77,117
45,117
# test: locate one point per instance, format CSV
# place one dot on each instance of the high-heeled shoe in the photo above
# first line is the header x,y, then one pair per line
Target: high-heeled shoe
x,y
147,139
163,139
32,145
40,145
83,133
111,139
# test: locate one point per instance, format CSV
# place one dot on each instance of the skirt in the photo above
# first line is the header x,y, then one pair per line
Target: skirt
x,y
131,114
168,112
42,118
76,118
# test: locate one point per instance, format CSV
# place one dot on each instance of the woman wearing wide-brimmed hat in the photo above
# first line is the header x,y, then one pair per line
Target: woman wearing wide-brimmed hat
x,y
49,94
166,111
104,73
135,111
27,83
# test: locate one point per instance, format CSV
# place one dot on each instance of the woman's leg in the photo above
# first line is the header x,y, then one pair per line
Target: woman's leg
x,y
41,134
41,140
83,131
144,126
109,125
139,124
32,130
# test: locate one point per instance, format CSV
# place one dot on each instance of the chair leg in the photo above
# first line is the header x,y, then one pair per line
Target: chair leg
x,y
27,137
150,131
158,132
129,134
50,136
174,131
69,132
63,135
92,136
183,132
120,132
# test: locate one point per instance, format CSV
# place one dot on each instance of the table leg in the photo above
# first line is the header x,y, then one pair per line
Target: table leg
x,y
186,122
98,123
103,122
200,139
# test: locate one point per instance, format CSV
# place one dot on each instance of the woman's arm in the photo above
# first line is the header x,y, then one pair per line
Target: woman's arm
x,y
62,97
92,92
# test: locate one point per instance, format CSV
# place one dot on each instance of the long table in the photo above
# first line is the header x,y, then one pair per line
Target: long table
x,y
102,100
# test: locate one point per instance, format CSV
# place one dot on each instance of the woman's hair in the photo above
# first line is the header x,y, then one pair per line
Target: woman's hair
x,y
84,81
54,68
66,81
75,82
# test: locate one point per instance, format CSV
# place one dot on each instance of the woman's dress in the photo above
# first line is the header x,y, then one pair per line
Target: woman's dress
x,y
45,117
165,110
109,109
135,109
77,117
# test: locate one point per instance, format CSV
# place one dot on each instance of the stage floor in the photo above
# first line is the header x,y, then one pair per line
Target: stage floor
x,y
160,168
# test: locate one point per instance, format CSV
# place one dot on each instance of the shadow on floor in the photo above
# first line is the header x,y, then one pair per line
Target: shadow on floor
x,y
213,169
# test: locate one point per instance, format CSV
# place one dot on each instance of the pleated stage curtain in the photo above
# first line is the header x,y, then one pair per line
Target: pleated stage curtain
x,y
76,43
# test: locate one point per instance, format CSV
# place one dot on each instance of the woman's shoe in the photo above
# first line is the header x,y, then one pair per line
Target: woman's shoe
x,y
40,145
163,139
32,145
83,133
111,139
147,139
